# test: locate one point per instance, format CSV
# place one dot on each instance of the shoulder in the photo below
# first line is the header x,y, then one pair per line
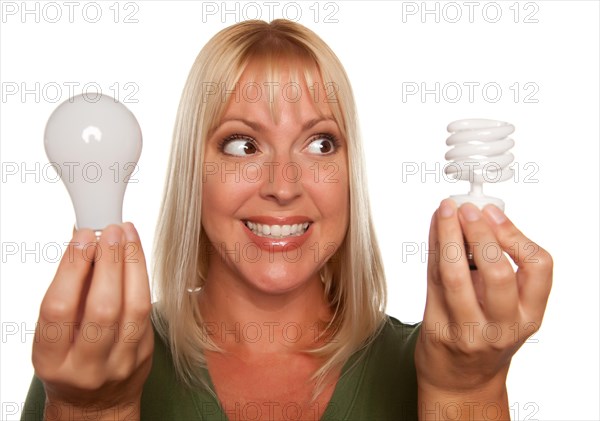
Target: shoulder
x,y
166,397
381,383
397,331
392,346
390,357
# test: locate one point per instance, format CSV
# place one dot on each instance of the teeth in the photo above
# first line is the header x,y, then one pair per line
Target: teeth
x,y
277,231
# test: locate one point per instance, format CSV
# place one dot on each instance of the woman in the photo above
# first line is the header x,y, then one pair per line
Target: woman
x,y
270,282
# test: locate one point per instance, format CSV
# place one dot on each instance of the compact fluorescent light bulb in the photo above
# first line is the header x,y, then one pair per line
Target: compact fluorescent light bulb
x,y
94,143
480,155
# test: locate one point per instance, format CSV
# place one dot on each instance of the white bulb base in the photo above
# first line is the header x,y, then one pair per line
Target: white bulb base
x,y
479,201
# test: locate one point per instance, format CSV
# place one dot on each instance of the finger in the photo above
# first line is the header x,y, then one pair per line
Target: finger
x,y
103,307
136,339
137,301
499,291
435,306
459,293
535,264
62,302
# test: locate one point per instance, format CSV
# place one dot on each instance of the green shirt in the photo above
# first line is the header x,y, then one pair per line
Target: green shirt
x,y
378,382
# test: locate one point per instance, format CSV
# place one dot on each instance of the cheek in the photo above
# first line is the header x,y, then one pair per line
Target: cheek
x,y
331,196
222,195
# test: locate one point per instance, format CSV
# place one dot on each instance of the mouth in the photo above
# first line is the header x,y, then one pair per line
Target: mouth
x,y
278,231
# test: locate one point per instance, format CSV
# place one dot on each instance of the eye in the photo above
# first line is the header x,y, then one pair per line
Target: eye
x,y
323,144
238,145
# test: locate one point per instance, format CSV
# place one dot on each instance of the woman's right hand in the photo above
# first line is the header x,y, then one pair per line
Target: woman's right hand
x,y
94,340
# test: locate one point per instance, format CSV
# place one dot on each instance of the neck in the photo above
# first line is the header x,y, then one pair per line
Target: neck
x,y
241,318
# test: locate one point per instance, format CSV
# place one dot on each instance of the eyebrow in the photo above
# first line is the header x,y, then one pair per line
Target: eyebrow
x,y
256,126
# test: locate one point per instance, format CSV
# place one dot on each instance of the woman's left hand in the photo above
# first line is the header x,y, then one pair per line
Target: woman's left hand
x,y
475,320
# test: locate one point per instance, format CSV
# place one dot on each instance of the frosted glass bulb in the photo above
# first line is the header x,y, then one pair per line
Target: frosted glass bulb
x,y
479,155
94,145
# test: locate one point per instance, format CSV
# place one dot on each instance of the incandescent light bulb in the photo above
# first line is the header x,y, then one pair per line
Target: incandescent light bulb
x,y
94,145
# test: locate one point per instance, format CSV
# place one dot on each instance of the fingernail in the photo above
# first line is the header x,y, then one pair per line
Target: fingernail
x,y
446,208
131,234
470,212
495,213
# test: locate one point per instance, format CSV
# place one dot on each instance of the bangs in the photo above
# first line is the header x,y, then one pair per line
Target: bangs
x,y
279,70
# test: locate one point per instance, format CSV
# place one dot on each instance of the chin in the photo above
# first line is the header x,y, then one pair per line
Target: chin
x,y
280,279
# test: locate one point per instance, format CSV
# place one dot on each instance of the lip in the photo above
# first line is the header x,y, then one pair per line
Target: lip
x,y
278,244
278,220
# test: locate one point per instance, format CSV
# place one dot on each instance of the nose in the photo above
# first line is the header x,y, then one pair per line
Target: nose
x,y
282,182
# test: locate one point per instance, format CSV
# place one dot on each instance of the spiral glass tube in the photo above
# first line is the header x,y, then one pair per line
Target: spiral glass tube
x,y
479,154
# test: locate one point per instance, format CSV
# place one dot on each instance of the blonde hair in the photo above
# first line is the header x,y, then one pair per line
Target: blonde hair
x,y
354,277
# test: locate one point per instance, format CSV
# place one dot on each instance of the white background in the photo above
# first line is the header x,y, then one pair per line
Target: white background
x,y
387,48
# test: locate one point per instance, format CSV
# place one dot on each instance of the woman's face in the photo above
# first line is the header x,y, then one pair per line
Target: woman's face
x,y
275,202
